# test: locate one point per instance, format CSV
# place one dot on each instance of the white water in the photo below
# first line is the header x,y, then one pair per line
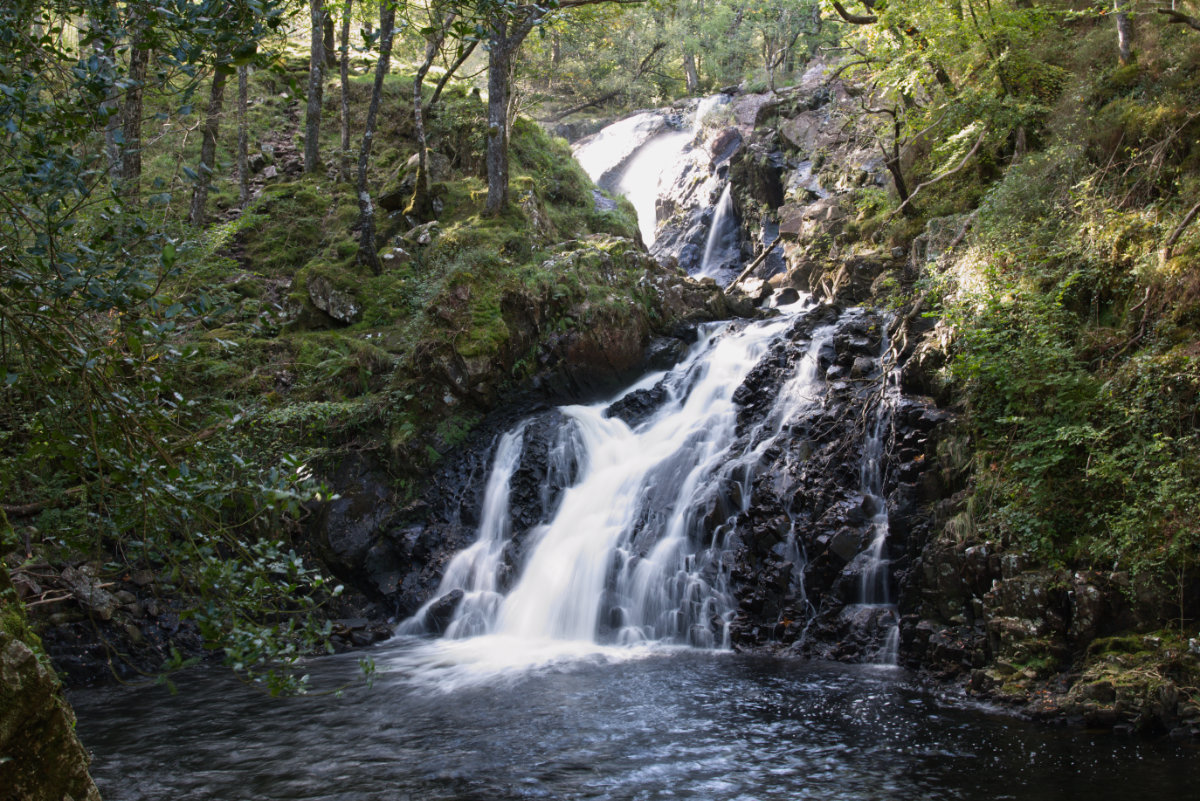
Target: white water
x,y
875,585
625,558
475,570
721,249
613,159
615,143
646,172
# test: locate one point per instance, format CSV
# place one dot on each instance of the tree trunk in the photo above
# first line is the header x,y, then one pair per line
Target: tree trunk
x,y
366,241
420,205
243,155
344,70
1124,31
503,40
208,148
110,106
689,73
330,44
131,119
316,83
499,58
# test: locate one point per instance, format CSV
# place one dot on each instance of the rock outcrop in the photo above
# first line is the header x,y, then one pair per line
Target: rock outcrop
x,y
40,757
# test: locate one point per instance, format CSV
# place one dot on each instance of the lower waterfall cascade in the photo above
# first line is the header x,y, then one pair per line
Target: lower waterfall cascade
x,y
639,541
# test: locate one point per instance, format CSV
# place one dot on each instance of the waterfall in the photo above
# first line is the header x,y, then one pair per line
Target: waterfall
x,y
475,571
639,155
648,498
722,249
636,549
875,583
632,157
645,172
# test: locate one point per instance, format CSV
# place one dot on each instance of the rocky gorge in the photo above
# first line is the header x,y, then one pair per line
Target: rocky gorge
x,y
793,524
796,524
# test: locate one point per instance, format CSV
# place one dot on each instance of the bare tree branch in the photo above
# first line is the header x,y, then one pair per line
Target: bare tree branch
x,y
1174,237
1180,18
941,177
638,73
854,19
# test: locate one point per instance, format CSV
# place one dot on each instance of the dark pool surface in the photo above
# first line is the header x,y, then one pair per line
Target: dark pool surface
x,y
666,725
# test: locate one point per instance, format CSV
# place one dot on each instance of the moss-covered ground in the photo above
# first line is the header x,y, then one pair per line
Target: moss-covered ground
x,y
309,384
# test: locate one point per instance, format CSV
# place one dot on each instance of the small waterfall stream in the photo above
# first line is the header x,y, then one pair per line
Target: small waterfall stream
x,y
723,246
875,588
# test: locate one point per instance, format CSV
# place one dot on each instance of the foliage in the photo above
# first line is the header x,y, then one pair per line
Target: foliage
x,y
1084,412
635,56
97,433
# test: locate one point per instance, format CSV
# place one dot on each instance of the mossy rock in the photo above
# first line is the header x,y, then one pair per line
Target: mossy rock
x,y
42,758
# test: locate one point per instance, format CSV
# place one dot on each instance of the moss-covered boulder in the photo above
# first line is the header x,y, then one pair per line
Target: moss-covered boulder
x,y
40,757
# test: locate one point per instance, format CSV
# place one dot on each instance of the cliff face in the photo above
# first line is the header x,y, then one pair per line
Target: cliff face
x,y
40,757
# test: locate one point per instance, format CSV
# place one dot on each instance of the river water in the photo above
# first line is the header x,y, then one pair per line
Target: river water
x,y
444,721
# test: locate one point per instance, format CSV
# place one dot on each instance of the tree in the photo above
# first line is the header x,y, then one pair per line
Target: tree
x,y
208,145
316,84
1124,31
243,146
367,252
344,76
131,111
507,25
441,19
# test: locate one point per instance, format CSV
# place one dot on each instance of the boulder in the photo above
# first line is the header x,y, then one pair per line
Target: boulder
x,y
341,306
441,612
42,758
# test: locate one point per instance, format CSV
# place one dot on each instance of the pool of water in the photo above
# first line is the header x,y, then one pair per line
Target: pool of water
x,y
494,720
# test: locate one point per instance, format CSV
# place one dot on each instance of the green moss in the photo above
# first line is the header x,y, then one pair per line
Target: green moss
x,y
283,228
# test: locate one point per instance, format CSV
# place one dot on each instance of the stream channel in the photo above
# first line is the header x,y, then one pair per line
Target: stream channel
x,y
600,668
582,722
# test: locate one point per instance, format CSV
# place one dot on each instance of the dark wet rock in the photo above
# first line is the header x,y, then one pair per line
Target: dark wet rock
x,y
346,528
724,144
757,174
441,612
663,353
786,296
635,407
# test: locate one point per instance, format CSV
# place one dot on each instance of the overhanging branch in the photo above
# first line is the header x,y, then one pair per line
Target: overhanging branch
x,y
941,177
1179,18
854,19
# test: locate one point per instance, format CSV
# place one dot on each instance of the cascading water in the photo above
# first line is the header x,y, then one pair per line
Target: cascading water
x,y
722,249
639,155
874,589
616,162
644,173
475,572
640,522
636,548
